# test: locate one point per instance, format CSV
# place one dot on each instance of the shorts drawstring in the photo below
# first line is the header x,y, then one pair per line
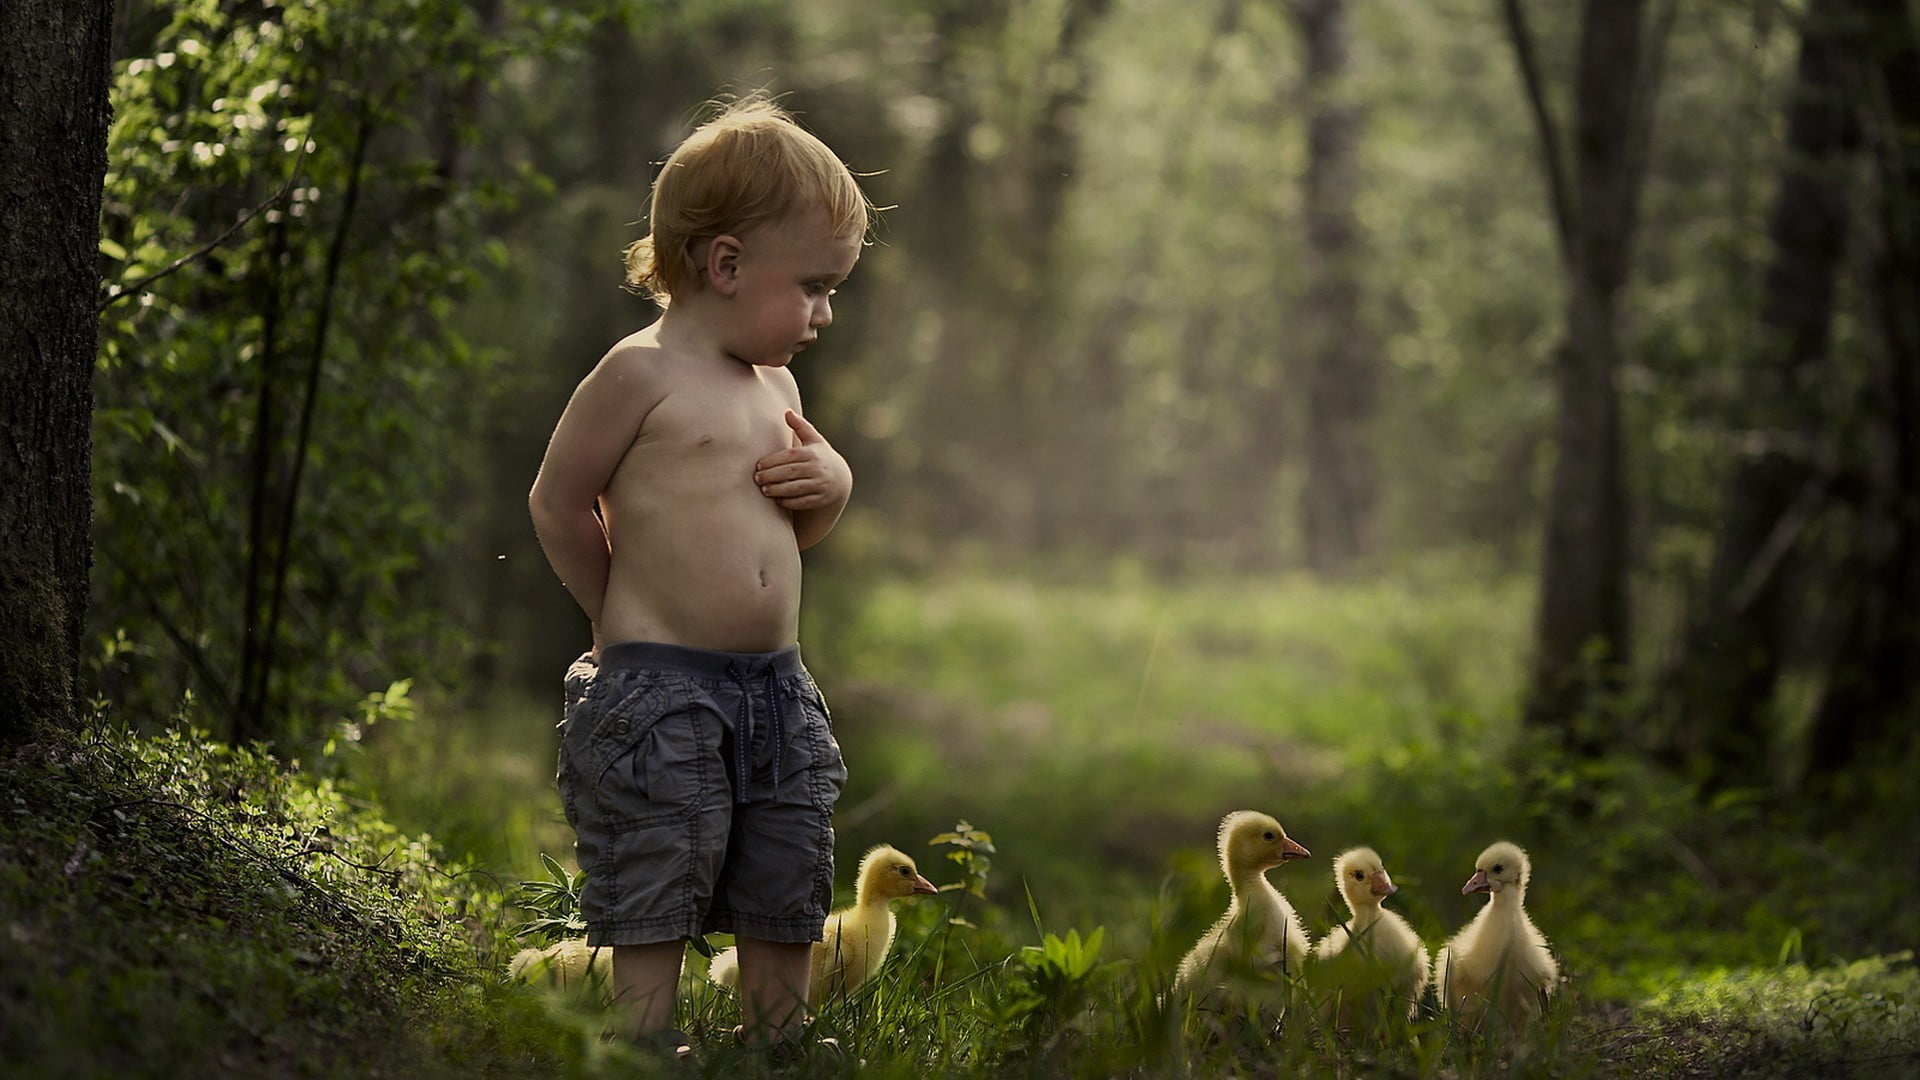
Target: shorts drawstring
x,y
743,730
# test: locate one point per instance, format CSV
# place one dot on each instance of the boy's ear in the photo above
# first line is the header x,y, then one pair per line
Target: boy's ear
x,y
723,264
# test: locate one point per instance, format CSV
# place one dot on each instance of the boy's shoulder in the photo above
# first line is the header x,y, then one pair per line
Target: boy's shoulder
x,y
639,353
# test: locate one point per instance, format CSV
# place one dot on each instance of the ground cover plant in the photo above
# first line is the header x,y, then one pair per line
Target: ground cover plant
x,y
173,905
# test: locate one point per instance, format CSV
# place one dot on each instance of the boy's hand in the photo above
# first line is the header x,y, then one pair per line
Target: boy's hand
x,y
805,477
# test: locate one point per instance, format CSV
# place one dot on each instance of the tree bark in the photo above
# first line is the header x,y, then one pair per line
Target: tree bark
x,y
1732,657
1343,369
1582,632
1072,448
53,138
1872,690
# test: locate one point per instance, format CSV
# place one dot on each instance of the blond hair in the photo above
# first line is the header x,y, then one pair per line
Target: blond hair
x,y
748,166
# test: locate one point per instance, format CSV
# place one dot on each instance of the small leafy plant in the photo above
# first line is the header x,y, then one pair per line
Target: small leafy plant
x,y
1054,979
971,849
554,902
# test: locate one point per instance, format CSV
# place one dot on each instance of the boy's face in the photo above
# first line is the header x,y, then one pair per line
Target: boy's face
x,y
781,280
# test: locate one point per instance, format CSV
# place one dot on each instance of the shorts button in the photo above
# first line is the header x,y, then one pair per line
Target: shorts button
x,y
621,727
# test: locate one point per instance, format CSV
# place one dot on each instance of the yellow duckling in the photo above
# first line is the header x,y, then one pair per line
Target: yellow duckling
x,y
1374,952
857,938
1499,962
567,962
1260,932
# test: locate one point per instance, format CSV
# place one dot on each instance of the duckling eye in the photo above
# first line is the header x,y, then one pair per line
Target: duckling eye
x,y
1499,868
1268,835
904,872
1359,875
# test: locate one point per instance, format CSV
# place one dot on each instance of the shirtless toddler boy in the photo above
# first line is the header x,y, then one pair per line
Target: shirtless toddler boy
x,y
696,763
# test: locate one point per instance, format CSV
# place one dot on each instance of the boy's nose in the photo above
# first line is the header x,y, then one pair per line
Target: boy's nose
x,y
822,313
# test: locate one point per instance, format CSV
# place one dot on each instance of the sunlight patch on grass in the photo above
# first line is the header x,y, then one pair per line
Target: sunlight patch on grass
x,y
1356,666
1860,1016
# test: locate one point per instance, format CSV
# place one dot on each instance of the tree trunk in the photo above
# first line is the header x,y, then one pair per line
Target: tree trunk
x,y
1872,690
1071,447
53,139
1731,662
1343,371
1582,634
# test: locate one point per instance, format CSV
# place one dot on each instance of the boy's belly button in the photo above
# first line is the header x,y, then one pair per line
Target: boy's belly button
x,y
763,578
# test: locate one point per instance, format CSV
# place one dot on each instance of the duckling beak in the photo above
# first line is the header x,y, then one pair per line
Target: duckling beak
x,y
1477,883
1291,850
1381,885
922,886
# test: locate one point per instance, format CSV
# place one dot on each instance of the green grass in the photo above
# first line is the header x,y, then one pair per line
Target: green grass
x,y
1099,733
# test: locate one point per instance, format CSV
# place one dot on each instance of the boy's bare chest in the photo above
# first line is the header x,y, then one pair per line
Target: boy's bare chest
x,y
738,422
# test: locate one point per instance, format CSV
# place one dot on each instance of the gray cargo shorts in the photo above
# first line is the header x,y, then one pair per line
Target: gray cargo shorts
x,y
700,786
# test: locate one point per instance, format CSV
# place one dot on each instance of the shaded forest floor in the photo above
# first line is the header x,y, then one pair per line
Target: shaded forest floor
x,y
170,907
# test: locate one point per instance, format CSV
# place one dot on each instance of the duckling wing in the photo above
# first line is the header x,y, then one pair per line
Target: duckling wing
x,y
826,975
1458,971
1404,952
1199,960
1330,946
1542,968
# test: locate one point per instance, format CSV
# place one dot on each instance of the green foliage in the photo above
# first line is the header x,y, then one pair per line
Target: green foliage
x,y
1056,979
295,202
971,849
553,902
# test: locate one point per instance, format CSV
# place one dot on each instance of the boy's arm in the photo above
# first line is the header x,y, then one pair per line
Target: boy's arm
x,y
593,435
809,479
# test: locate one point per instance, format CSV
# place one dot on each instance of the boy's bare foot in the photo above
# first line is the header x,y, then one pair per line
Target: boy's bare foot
x,y
670,1044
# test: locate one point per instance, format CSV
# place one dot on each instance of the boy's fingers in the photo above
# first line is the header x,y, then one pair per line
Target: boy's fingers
x,y
798,485
782,457
777,473
806,431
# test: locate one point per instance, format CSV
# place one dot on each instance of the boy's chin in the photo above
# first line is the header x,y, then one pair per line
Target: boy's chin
x,y
763,359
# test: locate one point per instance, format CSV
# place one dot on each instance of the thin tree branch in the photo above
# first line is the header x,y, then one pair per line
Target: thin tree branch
x,y
1780,540
336,251
1646,95
249,717
196,659
1553,159
203,250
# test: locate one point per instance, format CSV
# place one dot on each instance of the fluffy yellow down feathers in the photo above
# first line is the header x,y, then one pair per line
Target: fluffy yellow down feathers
x,y
857,938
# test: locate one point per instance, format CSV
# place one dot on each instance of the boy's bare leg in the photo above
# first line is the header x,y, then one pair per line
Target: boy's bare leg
x,y
773,988
646,978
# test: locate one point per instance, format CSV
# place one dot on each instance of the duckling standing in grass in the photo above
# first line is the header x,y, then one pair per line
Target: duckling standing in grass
x,y
1259,933
1374,953
857,938
1499,962
568,962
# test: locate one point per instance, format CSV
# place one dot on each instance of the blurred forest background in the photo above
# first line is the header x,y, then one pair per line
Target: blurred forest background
x,y
1425,420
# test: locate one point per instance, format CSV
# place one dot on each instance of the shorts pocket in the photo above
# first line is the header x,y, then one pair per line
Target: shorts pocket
x,y
669,768
630,705
815,751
